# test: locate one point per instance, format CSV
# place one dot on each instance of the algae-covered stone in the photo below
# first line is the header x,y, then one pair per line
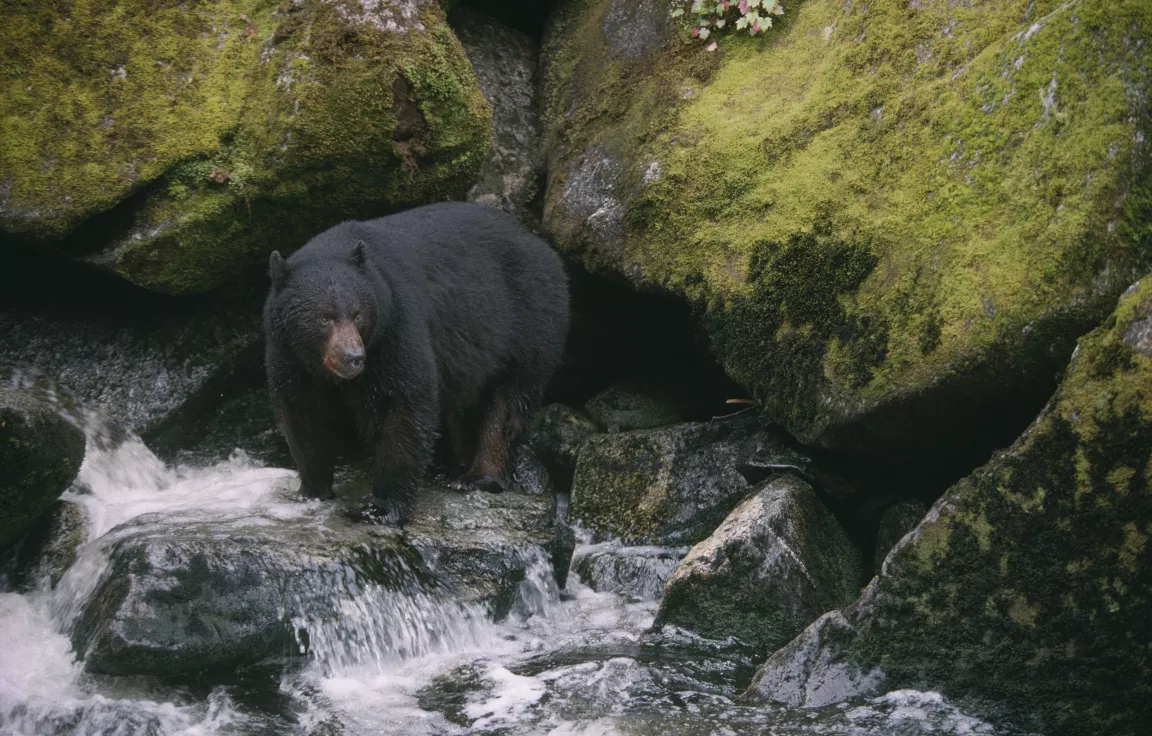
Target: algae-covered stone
x,y
625,407
1027,589
206,134
674,485
896,521
893,217
774,565
40,455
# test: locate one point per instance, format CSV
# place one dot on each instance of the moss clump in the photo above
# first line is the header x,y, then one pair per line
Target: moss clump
x,y
1027,589
204,136
989,158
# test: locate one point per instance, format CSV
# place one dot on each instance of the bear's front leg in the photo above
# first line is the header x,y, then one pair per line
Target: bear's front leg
x,y
403,449
309,444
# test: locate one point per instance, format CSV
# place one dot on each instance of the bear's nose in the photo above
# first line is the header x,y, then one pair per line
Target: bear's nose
x,y
354,357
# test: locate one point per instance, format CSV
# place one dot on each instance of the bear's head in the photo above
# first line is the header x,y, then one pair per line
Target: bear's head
x,y
327,309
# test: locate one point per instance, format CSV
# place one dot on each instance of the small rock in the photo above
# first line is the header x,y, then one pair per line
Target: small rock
x,y
40,455
622,407
50,547
557,432
777,563
637,572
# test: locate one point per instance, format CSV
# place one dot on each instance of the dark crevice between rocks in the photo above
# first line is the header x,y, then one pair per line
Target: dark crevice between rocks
x,y
526,16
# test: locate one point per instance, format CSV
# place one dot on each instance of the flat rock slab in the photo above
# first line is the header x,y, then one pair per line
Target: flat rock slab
x,y
180,596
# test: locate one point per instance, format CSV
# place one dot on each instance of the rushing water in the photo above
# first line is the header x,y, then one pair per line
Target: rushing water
x,y
580,662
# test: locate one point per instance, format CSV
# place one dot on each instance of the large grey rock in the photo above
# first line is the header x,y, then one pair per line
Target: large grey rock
x,y
40,455
636,572
180,597
1026,590
777,562
674,485
505,64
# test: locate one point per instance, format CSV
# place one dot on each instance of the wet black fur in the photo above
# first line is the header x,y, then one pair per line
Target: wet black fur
x,y
456,304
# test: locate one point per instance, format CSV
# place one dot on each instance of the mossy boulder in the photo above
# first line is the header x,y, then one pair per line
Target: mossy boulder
x,y
40,455
674,485
1027,589
174,142
892,217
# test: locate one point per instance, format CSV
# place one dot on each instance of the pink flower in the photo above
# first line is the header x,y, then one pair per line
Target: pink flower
x,y
743,7
695,33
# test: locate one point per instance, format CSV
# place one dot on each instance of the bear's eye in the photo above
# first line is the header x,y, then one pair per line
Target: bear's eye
x,y
356,317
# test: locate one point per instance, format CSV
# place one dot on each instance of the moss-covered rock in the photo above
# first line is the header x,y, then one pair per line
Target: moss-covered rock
x,y
205,134
773,566
892,217
674,485
1028,587
40,455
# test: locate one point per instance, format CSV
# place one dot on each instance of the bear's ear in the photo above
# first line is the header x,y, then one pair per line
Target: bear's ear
x,y
358,256
277,269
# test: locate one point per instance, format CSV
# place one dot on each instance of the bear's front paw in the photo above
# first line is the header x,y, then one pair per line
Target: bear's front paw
x,y
386,512
486,483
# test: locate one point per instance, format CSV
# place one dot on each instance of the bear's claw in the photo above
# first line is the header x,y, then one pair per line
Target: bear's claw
x,y
486,483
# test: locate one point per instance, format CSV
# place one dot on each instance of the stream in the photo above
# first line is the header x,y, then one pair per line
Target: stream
x,y
391,661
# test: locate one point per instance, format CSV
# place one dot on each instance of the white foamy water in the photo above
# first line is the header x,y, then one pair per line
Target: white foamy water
x,y
408,661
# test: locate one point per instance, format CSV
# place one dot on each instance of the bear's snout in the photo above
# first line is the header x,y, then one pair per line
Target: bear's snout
x,y
344,354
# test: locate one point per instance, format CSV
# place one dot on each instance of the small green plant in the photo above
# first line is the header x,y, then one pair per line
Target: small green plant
x,y
707,17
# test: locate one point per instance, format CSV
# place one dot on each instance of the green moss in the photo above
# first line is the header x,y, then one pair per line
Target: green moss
x,y
1029,591
242,126
986,157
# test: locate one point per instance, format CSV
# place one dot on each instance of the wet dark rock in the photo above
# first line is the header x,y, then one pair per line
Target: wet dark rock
x,y
505,64
636,572
556,436
1025,592
896,521
673,485
157,367
777,562
50,547
182,596
40,455
623,407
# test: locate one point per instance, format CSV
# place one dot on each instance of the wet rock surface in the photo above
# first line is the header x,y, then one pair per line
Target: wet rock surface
x,y
638,573
505,61
49,549
1025,591
775,564
157,367
180,597
673,485
556,436
40,455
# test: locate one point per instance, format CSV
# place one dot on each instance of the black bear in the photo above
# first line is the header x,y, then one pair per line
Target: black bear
x,y
380,332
